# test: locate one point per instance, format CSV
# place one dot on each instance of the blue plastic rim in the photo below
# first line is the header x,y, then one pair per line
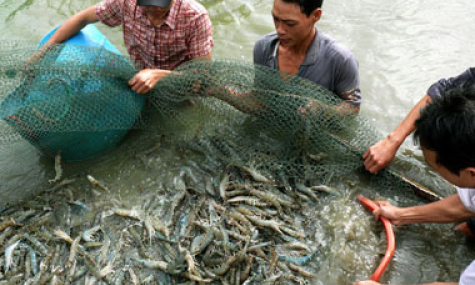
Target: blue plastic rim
x,y
74,145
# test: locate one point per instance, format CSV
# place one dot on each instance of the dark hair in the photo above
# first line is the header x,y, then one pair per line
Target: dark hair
x,y
307,6
447,127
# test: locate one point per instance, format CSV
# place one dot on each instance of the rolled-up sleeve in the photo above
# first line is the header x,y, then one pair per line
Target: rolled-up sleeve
x,y
467,196
201,36
439,88
110,12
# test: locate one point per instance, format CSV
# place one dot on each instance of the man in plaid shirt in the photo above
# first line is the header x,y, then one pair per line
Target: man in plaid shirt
x,y
159,34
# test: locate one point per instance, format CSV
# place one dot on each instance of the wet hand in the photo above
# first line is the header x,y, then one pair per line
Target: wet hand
x,y
146,79
368,282
380,155
390,212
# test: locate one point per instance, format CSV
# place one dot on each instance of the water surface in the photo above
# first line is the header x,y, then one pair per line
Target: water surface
x,y
402,48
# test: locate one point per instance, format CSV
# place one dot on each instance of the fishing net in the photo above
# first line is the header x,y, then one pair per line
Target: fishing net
x,y
74,101
261,144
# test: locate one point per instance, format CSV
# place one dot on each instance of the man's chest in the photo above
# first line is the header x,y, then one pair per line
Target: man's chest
x,y
152,38
289,63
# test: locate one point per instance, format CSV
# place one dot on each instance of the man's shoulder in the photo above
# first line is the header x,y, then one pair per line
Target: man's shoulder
x,y
334,49
263,44
192,8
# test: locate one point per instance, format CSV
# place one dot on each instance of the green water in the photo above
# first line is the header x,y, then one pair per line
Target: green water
x,y
402,47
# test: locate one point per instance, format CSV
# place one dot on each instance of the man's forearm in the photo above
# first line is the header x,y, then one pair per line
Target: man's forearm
x,y
407,126
73,25
450,209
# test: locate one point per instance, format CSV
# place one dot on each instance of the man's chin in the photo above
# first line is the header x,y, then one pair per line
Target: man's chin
x,y
286,43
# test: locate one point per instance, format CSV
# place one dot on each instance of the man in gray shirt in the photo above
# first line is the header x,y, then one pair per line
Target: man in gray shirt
x,y
298,47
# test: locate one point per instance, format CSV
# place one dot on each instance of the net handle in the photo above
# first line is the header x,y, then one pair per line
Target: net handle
x,y
391,241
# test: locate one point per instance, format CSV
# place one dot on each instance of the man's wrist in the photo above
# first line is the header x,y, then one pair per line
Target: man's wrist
x,y
395,139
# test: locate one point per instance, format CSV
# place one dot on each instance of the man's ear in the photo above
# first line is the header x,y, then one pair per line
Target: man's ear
x,y
316,14
471,171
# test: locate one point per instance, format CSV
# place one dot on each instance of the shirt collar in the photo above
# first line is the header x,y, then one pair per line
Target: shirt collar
x,y
310,57
312,53
170,20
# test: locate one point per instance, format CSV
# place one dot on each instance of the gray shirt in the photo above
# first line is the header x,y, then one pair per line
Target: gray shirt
x,y
442,86
327,63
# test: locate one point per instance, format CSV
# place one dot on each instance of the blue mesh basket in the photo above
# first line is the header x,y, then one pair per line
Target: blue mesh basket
x,y
84,134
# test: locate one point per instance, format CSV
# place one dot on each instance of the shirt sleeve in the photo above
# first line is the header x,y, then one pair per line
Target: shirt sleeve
x,y
468,275
201,36
348,81
439,88
258,54
467,196
110,12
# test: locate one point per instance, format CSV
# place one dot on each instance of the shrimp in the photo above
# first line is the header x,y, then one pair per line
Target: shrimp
x,y
133,214
266,223
267,197
154,264
9,255
57,168
257,176
8,223
72,252
87,234
298,260
300,270
295,245
98,184
64,236
222,186
326,189
248,200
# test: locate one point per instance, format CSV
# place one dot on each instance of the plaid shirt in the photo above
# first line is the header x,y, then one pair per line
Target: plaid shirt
x,y
185,34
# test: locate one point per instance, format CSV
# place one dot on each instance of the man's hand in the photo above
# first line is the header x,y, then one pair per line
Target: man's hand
x,y
380,155
368,282
146,79
390,212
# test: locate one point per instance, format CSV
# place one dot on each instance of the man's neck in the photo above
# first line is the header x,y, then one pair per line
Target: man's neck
x,y
157,21
302,48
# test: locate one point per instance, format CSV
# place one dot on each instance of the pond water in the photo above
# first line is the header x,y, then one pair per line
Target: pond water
x,y
402,48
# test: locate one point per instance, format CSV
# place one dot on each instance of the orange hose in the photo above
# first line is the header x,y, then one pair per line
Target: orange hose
x,y
370,205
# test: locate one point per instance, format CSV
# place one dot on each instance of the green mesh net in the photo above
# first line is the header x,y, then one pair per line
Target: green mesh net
x,y
266,145
74,100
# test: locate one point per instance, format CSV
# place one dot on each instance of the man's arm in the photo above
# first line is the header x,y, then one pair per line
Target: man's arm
x,y
146,79
73,25
348,85
382,153
450,209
